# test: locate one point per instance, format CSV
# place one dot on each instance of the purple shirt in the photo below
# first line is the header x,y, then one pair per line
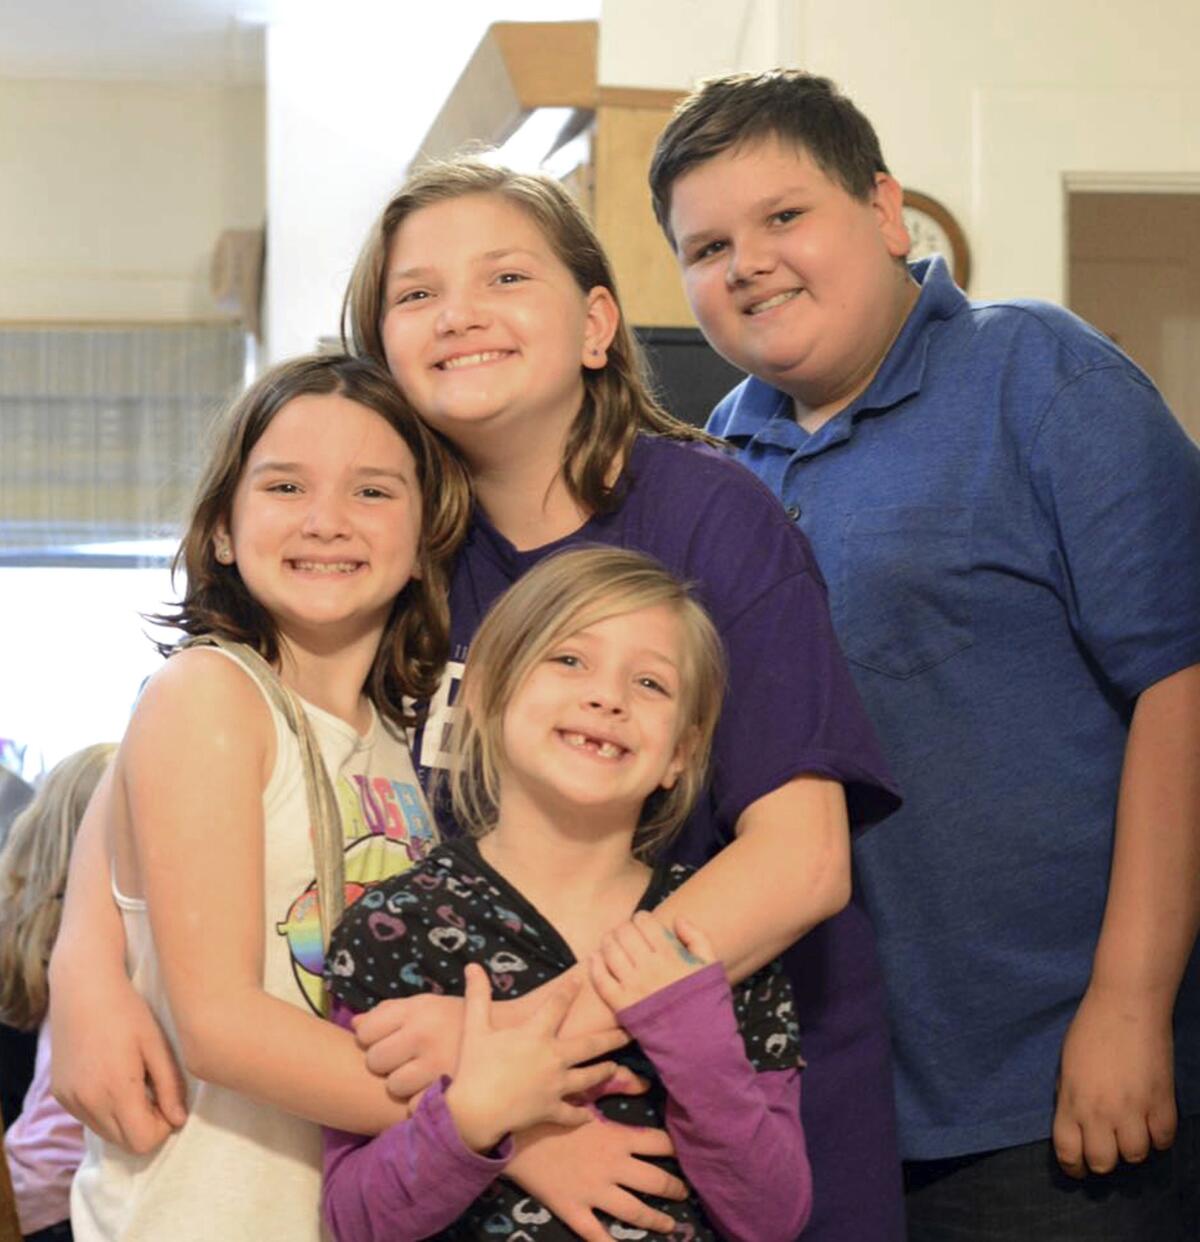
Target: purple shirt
x,y
791,709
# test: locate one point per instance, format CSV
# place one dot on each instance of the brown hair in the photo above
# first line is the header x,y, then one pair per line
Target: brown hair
x,y
617,402
33,877
562,595
794,107
415,641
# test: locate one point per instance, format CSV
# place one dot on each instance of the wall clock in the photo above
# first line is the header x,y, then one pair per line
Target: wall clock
x,y
933,230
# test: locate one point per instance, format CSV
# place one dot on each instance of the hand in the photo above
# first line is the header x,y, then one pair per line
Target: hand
x,y
642,957
576,1173
117,1075
411,1042
1116,1093
509,1079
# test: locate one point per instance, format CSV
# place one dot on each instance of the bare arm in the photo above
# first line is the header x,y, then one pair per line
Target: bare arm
x,y
1116,1094
787,870
119,1076
202,726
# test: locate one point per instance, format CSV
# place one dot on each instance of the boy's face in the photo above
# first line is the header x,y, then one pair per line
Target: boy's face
x,y
790,277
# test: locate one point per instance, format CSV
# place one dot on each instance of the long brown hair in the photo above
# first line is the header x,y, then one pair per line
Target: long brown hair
x,y
617,402
415,641
33,877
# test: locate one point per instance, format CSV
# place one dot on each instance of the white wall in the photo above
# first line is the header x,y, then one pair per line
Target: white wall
x,y
114,193
986,106
351,90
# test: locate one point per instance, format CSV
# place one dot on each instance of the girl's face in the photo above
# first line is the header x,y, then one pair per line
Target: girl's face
x,y
326,518
596,722
484,328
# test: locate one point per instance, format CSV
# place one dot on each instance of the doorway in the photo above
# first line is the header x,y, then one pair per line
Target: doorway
x,y
1133,270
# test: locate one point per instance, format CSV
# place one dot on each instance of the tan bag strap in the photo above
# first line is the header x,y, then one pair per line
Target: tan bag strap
x,y
323,812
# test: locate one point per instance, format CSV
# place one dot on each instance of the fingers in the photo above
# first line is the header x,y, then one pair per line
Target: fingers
x,y
583,1223
649,1179
166,1080
630,1210
384,1020
1068,1143
409,1079
694,940
585,1047
550,1013
1133,1140
605,982
565,1114
1162,1122
577,1081
1100,1148
646,1141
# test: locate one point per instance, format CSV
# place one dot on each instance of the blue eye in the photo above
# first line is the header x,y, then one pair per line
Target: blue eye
x,y
652,683
787,215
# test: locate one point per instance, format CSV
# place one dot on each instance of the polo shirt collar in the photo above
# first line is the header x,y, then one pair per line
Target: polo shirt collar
x,y
764,414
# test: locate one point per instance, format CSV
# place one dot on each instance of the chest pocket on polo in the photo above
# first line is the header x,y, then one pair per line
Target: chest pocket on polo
x,y
904,599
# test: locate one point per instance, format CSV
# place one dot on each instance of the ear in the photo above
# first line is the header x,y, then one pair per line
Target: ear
x,y
600,326
222,543
887,200
681,760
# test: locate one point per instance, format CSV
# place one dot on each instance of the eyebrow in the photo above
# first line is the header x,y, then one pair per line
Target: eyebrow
x,y
295,467
488,256
761,205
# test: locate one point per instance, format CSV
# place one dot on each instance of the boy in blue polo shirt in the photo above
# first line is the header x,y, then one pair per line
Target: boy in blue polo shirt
x,y
1008,518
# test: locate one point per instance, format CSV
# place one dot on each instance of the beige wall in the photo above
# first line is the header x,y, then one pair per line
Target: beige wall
x,y
987,106
113,194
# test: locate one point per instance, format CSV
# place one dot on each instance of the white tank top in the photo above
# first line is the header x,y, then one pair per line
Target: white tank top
x,y
239,1170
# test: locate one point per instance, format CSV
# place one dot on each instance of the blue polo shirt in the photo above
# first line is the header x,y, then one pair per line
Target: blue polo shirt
x,y
1009,523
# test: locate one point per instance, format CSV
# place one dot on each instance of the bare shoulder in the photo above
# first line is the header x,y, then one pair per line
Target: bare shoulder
x,y
203,700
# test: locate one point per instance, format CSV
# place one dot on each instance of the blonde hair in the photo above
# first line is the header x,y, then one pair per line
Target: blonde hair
x,y
33,876
561,596
617,402
416,639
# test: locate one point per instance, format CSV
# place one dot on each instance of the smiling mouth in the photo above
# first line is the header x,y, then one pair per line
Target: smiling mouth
x,y
472,360
600,747
757,308
327,569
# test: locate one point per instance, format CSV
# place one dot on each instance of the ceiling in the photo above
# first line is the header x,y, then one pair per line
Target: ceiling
x,y
218,41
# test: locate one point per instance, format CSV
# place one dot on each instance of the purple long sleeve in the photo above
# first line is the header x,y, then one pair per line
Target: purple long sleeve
x,y
737,1132
407,1183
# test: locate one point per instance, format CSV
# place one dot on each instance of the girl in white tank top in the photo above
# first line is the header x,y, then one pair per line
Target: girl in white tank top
x,y
314,559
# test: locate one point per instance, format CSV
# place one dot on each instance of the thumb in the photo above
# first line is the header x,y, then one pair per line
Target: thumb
x,y
694,941
166,1080
477,1013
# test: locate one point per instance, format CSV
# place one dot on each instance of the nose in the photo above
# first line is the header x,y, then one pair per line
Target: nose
x,y
746,260
460,311
325,517
606,694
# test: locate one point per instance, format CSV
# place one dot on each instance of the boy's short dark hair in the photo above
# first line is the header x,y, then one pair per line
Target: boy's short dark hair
x,y
790,105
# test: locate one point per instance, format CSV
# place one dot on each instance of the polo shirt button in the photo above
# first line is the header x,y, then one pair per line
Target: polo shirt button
x,y
793,512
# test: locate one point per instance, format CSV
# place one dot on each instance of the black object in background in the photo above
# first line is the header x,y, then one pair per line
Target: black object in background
x,y
689,376
17,1052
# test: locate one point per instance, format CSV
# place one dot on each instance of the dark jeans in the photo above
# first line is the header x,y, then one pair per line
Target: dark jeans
x,y
1019,1194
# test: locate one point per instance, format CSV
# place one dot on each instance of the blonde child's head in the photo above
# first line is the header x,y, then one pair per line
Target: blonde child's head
x,y
563,595
414,645
617,401
33,876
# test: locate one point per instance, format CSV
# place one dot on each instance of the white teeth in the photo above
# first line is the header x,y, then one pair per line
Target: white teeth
x,y
581,741
471,360
771,303
326,567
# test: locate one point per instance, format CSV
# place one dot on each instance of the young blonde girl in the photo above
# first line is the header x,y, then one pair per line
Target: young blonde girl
x,y
45,1144
313,560
589,702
